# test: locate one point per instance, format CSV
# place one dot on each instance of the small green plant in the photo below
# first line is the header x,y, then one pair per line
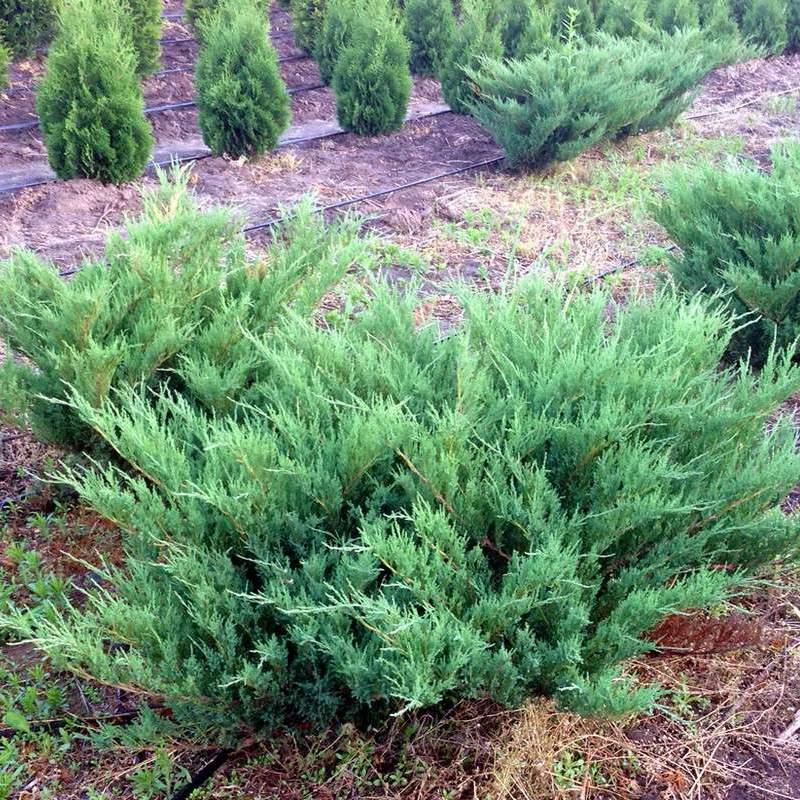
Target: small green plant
x,y
89,102
573,18
143,20
430,26
242,102
476,38
26,24
739,233
371,81
159,780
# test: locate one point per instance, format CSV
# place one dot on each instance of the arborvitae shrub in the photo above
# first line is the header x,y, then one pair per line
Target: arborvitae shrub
x,y
170,305
623,18
716,19
672,15
334,35
514,19
143,19
765,24
739,234
307,16
89,102
793,24
430,26
394,518
197,11
243,106
553,106
26,24
476,38
371,81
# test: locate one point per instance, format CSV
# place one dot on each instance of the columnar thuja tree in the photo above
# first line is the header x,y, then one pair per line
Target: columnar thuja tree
x,y
242,101
477,37
372,80
334,36
90,103
144,21
430,26
307,16
5,57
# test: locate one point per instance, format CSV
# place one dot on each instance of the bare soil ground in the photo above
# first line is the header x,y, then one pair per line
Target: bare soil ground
x,y
732,682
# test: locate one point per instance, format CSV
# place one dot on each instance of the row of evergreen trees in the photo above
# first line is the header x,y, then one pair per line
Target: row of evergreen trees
x,y
90,101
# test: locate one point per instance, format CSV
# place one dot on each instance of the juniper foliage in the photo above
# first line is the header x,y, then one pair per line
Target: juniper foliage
x,y
372,81
395,519
672,15
765,24
476,38
171,303
26,24
243,105
430,26
739,233
90,104
553,106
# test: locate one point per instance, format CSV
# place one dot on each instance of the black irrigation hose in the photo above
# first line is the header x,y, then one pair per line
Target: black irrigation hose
x,y
201,156
268,223
16,127
160,74
272,221
202,776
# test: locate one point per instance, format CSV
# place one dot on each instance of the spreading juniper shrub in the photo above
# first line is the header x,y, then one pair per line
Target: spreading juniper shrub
x,y
384,518
738,229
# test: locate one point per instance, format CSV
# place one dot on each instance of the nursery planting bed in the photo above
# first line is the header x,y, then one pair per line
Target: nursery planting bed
x,y
731,748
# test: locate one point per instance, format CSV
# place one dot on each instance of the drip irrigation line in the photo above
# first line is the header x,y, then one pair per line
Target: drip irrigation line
x,y
202,776
272,221
160,74
201,156
621,268
30,125
268,223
